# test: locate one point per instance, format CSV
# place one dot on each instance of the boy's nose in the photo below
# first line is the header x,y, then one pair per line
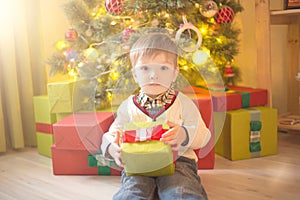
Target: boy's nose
x,y
153,75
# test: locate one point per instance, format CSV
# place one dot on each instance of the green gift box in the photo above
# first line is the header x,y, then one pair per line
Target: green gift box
x,y
60,96
42,110
247,133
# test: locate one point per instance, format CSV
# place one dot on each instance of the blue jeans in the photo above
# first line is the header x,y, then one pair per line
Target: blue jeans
x,y
184,184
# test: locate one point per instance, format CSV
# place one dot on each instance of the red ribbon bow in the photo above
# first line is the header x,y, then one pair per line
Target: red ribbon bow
x,y
143,134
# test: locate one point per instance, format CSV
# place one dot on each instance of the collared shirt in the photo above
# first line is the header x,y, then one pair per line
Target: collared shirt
x,y
154,105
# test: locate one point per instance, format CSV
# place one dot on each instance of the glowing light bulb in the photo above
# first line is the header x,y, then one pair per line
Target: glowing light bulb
x,y
61,45
115,75
185,67
72,73
219,40
203,31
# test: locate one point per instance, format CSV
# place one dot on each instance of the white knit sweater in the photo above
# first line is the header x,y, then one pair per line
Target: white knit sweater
x,y
182,112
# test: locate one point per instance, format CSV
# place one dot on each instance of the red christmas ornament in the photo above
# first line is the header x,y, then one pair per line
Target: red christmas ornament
x,y
228,71
225,15
113,7
126,34
71,35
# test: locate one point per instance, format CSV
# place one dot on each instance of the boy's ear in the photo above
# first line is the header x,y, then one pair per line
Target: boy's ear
x,y
175,74
134,75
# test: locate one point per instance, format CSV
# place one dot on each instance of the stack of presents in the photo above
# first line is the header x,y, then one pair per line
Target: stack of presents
x,y
242,127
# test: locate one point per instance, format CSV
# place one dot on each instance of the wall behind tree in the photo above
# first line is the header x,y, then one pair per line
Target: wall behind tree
x,y
54,24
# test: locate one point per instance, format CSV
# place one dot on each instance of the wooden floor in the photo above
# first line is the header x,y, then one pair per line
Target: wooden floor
x,y
28,175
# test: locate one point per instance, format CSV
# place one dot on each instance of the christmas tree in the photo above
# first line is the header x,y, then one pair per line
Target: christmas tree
x,y
96,45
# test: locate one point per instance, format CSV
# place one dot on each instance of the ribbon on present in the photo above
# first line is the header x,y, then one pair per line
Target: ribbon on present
x,y
255,136
105,166
143,134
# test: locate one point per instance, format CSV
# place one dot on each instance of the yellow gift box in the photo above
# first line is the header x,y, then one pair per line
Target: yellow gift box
x,y
149,157
42,110
60,96
234,141
44,143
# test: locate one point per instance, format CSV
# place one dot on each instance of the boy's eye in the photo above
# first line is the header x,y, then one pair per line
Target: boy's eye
x,y
164,67
145,68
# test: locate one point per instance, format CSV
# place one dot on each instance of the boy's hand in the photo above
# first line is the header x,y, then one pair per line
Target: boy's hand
x,y
114,150
175,136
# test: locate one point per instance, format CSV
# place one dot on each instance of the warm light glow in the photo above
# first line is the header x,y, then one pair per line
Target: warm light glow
x,y
113,23
219,40
109,96
212,20
185,67
91,54
61,45
115,75
200,57
72,73
203,31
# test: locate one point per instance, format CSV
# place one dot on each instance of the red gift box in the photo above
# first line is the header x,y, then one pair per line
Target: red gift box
x,y
75,162
70,162
227,101
206,154
82,131
258,96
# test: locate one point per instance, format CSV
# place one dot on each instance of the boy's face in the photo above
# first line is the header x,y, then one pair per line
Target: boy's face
x,y
155,74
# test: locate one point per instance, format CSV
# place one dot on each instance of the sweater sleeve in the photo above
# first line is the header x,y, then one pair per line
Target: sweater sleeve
x,y
121,119
199,134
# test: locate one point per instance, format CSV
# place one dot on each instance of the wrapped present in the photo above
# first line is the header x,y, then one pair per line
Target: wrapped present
x,y
42,112
251,96
247,133
44,143
60,96
82,131
206,155
72,96
105,166
141,146
71,162
232,97
44,121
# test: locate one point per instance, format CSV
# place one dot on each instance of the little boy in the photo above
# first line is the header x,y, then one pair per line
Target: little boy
x,y
154,59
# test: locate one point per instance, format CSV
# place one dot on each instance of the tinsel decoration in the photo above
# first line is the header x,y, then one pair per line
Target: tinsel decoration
x,y
225,15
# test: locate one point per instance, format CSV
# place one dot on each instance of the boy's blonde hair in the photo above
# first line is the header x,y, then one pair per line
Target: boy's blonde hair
x,y
151,44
